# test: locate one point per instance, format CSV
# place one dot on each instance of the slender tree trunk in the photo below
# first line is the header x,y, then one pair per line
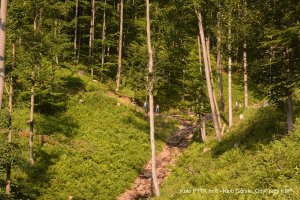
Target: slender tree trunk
x,y
219,63
199,54
213,85
208,80
289,119
103,41
10,109
10,106
151,101
245,75
229,78
76,32
203,131
92,37
3,12
31,119
120,46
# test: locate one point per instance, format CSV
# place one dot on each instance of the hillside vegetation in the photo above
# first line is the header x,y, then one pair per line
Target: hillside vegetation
x,y
256,160
92,150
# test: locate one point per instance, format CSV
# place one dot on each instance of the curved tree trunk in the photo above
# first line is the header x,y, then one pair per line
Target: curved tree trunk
x,y
3,13
151,101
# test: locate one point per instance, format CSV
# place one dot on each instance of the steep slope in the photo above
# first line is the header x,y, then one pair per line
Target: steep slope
x,y
256,160
92,150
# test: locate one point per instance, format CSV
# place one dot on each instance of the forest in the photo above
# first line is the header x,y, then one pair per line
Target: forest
x,y
134,99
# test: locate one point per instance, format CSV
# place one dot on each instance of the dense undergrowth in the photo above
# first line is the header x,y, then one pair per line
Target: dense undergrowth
x,y
93,149
255,160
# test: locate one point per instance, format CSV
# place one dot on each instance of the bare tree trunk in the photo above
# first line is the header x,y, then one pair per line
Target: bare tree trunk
x,y
199,54
213,85
103,40
3,13
208,80
31,119
229,78
10,109
120,46
92,37
245,75
219,63
10,106
290,112
76,32
151,101
203,131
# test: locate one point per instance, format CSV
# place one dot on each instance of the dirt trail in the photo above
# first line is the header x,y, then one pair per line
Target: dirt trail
x,y
142,186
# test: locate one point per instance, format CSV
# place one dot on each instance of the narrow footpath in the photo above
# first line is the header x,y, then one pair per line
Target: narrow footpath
x,y
176,143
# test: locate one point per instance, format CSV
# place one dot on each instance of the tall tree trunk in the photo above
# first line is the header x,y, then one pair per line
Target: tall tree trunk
x,y
199,54
289,118
229,78
76,32
151,101
219,63
207,75
213,85
3,12
92,37
120,46
31,122
10,109
103,41
245,75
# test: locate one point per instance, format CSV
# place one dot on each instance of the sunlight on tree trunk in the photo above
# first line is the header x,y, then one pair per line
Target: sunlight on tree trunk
x,y
3,12
207,75
120,46
151,101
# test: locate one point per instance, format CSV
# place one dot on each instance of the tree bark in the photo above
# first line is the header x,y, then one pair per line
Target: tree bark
x,y
219,63
199,54
213,85
10,109
208,80
203,131
151,101
3,13
120,46
92,38
103,41
229,78
290,112
76,32
31,119
245,75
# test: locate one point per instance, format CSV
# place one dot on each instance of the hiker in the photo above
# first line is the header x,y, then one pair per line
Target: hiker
x,y
145,106
157,108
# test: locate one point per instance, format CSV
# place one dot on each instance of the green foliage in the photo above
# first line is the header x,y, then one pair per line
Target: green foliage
x,y
94,149
255,155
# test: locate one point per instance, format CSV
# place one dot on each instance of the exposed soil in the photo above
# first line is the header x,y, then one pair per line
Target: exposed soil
x,y
142,186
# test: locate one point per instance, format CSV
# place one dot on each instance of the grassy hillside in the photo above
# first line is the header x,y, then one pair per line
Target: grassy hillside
x,y
92,150
256,154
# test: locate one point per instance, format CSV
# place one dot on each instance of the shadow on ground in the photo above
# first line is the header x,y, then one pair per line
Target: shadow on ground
x,y
266,125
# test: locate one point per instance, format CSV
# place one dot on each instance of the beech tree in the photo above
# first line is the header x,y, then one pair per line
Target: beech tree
x,y
3,13
207,75
120,46
151,100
